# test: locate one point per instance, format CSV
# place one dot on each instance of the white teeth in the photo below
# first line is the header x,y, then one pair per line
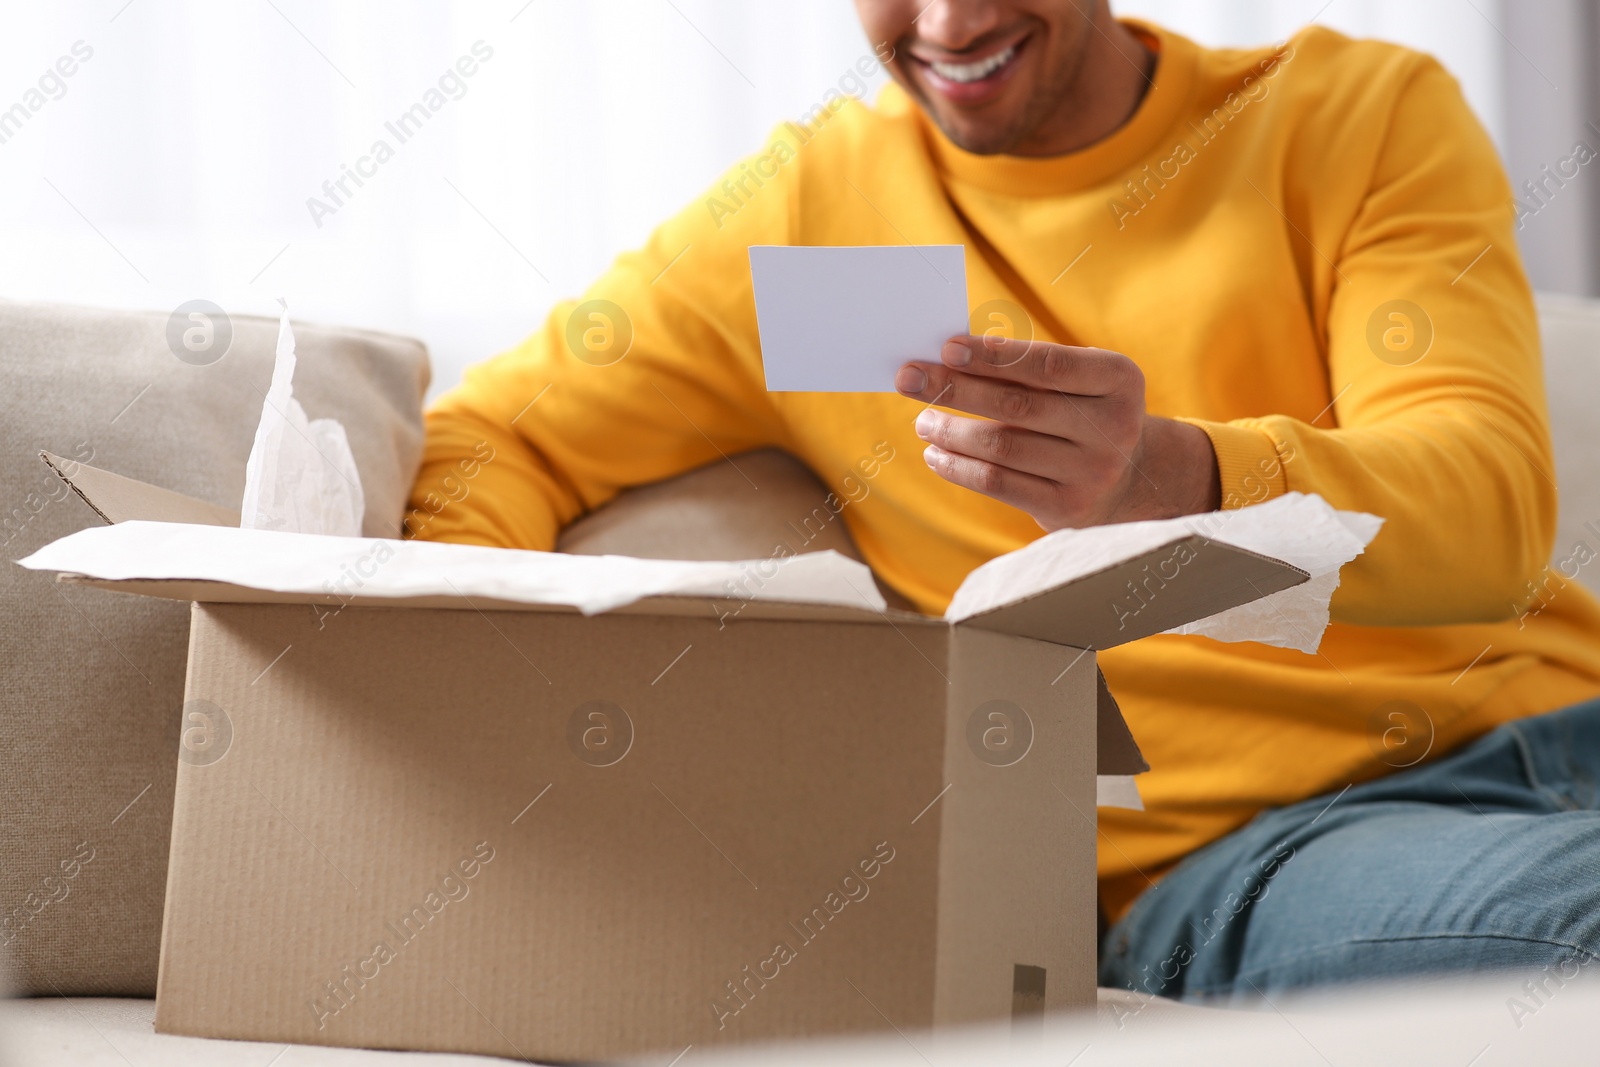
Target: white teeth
x,y
971,72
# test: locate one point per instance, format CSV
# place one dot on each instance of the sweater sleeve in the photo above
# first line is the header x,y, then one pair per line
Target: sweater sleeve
x,y
654,372
1438,419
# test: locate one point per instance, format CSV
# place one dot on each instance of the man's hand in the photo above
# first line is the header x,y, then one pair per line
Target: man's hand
x,y
1063,435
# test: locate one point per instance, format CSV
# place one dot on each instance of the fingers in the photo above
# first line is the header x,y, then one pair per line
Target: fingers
x,y
1037,496
1059,368
1014,403
994,442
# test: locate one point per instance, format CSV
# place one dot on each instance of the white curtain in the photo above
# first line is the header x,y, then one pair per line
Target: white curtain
x,y
176,161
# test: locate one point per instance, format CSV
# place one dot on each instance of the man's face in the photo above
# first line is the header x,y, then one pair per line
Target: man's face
x,y
991,73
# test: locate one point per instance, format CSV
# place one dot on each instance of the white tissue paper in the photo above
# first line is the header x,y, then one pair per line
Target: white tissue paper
x,y
346,567
1300,529
301,476
1117,791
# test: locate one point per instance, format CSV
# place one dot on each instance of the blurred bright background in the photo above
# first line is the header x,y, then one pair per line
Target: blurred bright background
x,y
177,160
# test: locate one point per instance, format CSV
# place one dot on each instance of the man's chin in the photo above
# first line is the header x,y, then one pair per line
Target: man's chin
x,y
978,137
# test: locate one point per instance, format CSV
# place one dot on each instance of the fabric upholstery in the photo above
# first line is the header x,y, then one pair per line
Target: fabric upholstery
x,y
1571,332
1413,1023
744,507
91,707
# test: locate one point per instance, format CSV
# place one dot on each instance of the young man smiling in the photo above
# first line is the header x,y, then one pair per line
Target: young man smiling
x,y
1245,273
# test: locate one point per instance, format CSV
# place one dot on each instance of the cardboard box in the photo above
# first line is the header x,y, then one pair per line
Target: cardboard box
x,y
453,822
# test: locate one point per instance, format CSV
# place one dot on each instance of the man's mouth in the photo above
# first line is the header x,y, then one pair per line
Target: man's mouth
x,y
974,81
964,73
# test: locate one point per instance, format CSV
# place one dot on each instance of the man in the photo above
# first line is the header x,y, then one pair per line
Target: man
x,y
1244,273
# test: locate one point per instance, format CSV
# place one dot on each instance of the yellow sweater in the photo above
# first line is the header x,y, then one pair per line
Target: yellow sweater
x,y
1242,238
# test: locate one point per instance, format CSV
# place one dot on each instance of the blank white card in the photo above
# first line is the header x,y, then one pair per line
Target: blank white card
x,y
843,319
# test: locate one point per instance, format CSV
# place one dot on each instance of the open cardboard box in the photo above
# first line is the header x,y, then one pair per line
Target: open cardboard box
x,y
424,802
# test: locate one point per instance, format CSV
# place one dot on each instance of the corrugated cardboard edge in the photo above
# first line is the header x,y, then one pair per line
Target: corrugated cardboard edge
x,y
116,498
181,809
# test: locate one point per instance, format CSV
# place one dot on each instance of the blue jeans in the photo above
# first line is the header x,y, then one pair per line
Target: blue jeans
x,y
1486,859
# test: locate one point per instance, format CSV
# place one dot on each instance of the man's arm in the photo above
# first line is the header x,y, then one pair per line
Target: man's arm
x,y
655,371
1437,421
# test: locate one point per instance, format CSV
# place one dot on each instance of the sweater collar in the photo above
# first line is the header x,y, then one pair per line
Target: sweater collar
x,y
1160,109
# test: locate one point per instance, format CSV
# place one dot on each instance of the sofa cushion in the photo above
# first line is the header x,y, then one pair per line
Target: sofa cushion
x,y
1571,332
91,712
745,507
752,506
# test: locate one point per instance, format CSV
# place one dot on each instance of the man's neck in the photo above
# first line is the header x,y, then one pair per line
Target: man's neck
x,y
1110,83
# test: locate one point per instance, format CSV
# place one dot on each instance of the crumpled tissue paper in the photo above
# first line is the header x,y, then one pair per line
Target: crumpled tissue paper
x,y
301,476
318,566
1303,530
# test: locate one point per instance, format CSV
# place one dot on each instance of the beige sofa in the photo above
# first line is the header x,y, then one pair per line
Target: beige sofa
x,y
88,726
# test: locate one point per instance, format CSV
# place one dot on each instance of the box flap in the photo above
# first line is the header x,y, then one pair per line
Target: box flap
x,y
1261,573
1117,752
1186,578
118,499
